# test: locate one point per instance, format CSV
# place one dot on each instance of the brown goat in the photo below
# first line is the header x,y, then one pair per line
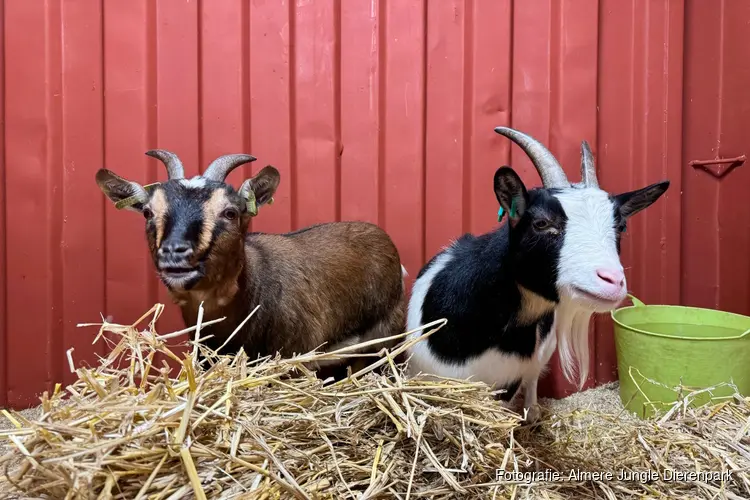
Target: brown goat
x,y
336,283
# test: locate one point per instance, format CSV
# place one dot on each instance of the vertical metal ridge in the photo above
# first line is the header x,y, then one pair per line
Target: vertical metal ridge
x,y
468,101
645,132
670,286
55,186
599,52
718,129
555,69
152,284
199,76
511,66
382,93
105,299
601,372
247,90
684,249
293,116
3,226
628,247
245,9
720,76
338,143
425,66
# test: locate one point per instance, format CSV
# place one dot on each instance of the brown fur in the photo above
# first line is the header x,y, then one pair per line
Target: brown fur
x,y
324,284
323,287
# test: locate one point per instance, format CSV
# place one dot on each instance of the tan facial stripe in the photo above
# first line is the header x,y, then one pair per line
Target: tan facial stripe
x,y
158,206
533,306
211,210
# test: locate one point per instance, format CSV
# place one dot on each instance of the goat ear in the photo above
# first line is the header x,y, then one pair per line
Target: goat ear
x,y
123,193
263,185
511,194
632,202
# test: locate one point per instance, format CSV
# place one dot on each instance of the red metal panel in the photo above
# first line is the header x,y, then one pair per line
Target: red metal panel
x,y
267,49
639,141
3,240
360,90
445,168
32,114
224,105
371,110
717,118
403,125
733,228
487,104
177,106
129,131
82,218
555,98
224,123
315,45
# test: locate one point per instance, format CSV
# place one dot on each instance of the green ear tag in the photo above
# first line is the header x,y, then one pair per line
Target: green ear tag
x,y
252,207
132,200
512,214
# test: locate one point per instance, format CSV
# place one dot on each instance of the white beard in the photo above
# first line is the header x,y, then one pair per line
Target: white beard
x,y
572,327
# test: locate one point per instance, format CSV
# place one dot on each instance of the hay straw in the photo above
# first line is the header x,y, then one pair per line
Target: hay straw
x,y
231,427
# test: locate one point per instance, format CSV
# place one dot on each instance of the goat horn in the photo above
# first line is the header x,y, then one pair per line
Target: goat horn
x,y
221,166
545,163
588,168
175,170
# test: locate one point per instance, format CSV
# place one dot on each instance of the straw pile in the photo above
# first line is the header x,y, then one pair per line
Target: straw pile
x,y
236,428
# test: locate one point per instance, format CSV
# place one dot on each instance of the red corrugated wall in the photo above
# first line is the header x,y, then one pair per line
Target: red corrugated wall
x,y
371,109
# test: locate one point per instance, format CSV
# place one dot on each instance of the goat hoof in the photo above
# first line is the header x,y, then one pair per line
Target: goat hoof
x,y
533,414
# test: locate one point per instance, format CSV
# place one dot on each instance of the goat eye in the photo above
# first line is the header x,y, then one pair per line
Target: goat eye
x,y
230,214
147,214
541,224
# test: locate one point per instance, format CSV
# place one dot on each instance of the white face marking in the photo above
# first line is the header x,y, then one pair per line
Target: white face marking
x,y
589,251
196,182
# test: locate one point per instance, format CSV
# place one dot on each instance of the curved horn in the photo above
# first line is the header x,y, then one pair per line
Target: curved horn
x,y
548,167
588,168
170,160
221,166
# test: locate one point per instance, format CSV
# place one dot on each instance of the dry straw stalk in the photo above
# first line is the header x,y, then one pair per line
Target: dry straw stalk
x,y
231,427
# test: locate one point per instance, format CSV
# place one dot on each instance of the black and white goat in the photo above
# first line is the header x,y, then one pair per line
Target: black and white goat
x,y
509,294
339,283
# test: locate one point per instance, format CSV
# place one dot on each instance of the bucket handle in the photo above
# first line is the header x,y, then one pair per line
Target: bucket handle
x,y
638,303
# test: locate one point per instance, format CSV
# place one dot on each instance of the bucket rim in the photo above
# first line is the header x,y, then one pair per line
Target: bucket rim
x,y
638,304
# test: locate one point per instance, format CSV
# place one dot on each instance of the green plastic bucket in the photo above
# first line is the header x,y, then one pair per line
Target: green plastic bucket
x,y
665,352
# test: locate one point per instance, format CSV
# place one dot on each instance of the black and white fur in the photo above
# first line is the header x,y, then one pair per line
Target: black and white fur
x,y
509,294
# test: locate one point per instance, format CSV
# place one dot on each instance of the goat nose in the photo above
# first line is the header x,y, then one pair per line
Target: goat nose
x,y
179,249
612,276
